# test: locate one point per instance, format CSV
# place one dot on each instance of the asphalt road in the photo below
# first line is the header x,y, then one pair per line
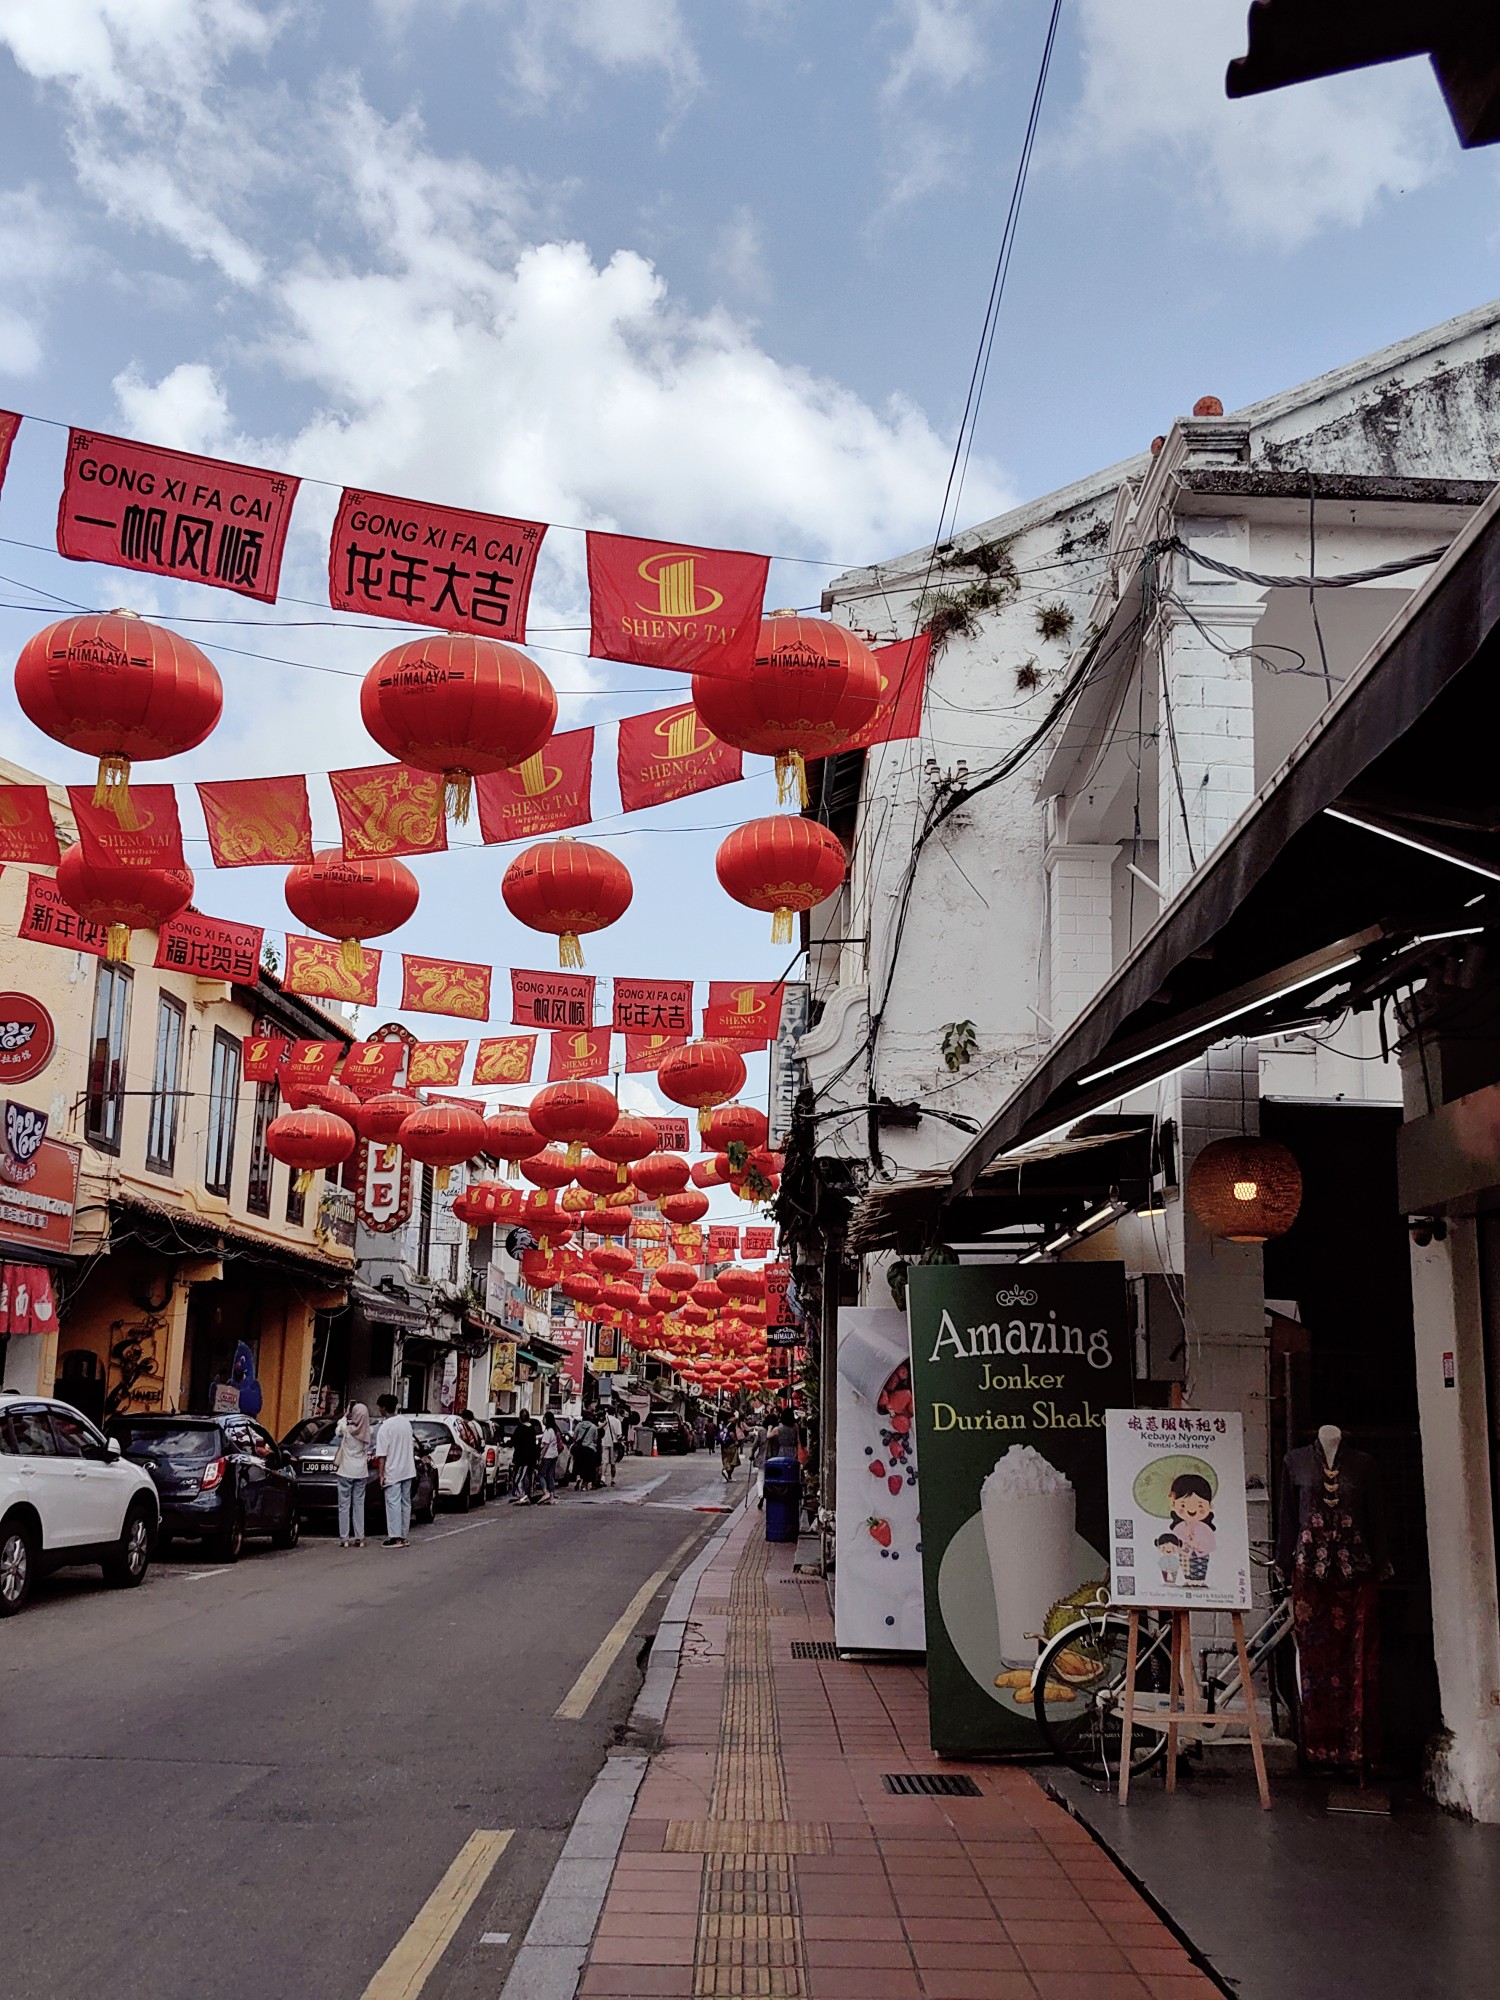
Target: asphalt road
x,y
248,1781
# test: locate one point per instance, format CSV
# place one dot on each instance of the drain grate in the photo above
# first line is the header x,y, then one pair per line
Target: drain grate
x,y
814,1649
931,1785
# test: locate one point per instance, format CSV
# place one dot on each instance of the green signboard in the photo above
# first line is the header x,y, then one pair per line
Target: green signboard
x,y
1013,1367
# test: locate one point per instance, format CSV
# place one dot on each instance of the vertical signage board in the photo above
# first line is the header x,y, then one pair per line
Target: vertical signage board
x,y
877,1586
1013,1369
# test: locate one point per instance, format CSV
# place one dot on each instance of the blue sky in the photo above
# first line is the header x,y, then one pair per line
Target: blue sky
x,y
711,269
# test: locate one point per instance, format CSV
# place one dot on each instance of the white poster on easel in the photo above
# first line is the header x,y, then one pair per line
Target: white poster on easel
x,y
877,1585
1180,1534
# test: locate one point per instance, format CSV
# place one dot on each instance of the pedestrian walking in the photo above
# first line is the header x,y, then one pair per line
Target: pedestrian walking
x,y
351,1467
586,1450
729,1445
756,1440
786,1439
550,1451
395,1459
525,1449
612,1438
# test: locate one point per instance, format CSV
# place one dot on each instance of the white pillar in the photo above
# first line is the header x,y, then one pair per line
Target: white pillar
x,y
1079,928
1205,726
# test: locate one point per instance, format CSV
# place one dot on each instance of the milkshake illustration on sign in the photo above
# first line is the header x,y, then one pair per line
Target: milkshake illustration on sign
x,y
1029,1512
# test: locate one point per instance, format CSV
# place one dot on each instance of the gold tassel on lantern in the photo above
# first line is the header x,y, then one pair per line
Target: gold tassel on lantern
x,y
705,1113
117,944
458,790
388,1156
440,1179
791,778
112,789
569,950
303,1179
574,1153
351,955
781,926
512,1170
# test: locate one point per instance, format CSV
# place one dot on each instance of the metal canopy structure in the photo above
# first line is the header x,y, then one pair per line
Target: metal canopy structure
x,y
1363,863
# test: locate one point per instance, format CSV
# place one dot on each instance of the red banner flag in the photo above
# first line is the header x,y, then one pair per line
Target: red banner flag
x,y
315,968
671,1134
504,1059
903,681
688,1238
429,565
258,822
548,792
372,1067
653,1006
26,830
445,986
474,1104
387,809
435,1063
689,610
585,1053
654,1255
669,753
10,423
309,1062
649,1229
552,999
645,1052
47,919
210,948
198,520
778,1300
262,1056
723,1243
756,1242
744,1011
154,842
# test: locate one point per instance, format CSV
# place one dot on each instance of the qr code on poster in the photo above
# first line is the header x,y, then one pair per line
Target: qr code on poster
x,y
1124,1586
1124,1529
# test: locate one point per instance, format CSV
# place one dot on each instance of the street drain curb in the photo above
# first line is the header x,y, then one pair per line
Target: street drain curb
x,y
550,1962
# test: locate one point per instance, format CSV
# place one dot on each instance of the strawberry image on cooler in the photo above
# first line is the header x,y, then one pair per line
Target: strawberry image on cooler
x,y
880,1530
895,1482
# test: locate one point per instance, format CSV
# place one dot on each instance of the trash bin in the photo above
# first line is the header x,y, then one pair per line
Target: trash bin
x,y
783,1487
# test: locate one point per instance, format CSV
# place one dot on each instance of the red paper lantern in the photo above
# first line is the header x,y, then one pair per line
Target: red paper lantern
x,y
738,1283
611,1259
679,1278
567,888
554,1229
442,1136
582,1287
350,900
712,1172
783,864
458,704
659,1174
600,1177
621,1296
339,1099
572,1113
121,897
548,1169
118,688
708,1292
689,1206
812,686
509,1135
736,1125
701,1075
540,1270
380,1118
309,1140
611,1221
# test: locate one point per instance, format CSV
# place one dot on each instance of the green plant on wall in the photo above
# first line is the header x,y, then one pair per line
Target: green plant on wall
x,y
958,1044
1054,621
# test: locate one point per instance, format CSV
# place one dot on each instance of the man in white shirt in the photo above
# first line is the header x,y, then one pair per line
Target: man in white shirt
x,y
613,1436
394,1457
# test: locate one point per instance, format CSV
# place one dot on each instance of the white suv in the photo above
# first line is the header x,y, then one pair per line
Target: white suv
x,y
457,1457
67,1496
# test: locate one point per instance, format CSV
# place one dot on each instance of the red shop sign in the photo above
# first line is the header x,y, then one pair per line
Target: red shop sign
x,y
27,1038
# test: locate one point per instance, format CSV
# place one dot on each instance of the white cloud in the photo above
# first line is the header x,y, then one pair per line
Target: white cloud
x,y
739,255
36,249
1275,169
544,36
944,46
942,50
129,55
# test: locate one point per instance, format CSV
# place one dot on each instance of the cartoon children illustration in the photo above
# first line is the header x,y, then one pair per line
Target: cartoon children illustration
x,y
1192,1501
1169,1556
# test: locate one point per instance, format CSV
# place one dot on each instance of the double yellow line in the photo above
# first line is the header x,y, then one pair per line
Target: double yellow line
x,y
435,1925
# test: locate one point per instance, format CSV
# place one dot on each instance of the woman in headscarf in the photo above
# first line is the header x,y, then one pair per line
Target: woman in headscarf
x,y
351,1463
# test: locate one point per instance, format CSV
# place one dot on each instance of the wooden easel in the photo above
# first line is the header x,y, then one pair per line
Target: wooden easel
x,y
1181,1701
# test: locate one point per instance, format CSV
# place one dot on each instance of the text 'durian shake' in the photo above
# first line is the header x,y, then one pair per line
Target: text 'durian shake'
x,y
1029,1512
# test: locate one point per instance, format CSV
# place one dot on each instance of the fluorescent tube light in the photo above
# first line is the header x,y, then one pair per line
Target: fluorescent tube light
x,y
1407,840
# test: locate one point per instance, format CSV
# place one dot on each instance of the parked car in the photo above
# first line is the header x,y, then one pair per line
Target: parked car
x,y
673,1436
67,1496
497,1454
458,1454
219,1479
311,1446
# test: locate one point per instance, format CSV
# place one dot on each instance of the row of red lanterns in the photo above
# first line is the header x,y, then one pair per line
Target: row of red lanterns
x,y
125,690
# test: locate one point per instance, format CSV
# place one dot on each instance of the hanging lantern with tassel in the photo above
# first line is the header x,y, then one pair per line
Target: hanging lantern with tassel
x,y
629,1139
350,900
573,1114
120,689
459,704
307,1141
567,888
442,1136
812,686
701,1075
1245,1190
548,1169
509,1135
121,897
783,864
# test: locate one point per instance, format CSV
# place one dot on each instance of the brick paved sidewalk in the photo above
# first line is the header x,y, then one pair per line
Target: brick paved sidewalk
x,y
765,1857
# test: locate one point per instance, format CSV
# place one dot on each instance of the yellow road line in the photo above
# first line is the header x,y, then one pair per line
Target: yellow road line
x,y
575,1702
432,1929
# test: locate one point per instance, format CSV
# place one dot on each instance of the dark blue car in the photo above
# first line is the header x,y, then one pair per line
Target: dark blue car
x,y
219,1479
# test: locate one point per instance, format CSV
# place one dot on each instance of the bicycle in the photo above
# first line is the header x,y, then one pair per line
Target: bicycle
x,y
1079,1680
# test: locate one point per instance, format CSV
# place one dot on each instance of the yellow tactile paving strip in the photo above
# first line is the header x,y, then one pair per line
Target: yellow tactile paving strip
x,y
749,1929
